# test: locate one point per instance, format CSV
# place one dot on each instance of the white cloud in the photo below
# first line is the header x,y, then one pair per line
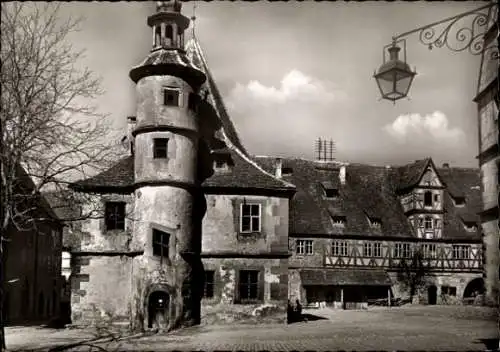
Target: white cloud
x,y
431,128
290,114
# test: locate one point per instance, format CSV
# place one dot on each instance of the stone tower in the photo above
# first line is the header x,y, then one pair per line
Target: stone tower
x,y
169,205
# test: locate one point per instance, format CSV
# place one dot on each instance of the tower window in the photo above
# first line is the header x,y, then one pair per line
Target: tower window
x,y
115,215
208,291
157,36
160,149
169,35
160,243
170,97
428,199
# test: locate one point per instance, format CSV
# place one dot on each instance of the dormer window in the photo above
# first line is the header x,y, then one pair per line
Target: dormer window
x,y
375,223
470,226
338,221
329,190
459,201
286,171
219,164
170,97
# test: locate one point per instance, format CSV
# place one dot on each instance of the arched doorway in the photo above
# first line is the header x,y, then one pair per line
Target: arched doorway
x,y
474,287
432,295
158,303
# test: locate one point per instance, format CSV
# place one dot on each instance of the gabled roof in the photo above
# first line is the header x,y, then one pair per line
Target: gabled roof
x,y
195,53
370,192
410,175
118,176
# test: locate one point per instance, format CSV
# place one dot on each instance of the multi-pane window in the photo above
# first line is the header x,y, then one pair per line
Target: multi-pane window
x,y
377,249
368,249
304,247
402,250
170,97
250,217
160,148
428,223
249,284
115,215
429,251
461,252
330,191
160,243
208,291
339,248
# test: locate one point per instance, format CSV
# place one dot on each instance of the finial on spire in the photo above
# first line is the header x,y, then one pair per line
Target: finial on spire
x,y
168,6
193,18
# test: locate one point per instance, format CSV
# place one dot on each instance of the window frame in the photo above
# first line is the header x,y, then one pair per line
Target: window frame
x,y
427,220
208,284
428,199
162,245
368,249
157,148
340,248
176,101
377,249
259,217
304,247
118,224
248,285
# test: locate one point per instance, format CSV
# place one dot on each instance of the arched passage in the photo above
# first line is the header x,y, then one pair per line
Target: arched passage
x,y
474,287
158,306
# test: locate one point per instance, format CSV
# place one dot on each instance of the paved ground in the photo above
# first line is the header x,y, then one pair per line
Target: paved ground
x,y
451,328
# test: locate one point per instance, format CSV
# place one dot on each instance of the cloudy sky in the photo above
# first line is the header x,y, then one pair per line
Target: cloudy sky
x,y
293,72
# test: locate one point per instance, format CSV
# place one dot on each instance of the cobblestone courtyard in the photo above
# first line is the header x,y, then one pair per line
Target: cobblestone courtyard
x,y
457,328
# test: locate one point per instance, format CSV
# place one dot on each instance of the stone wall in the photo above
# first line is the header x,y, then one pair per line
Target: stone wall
x,y
492,258
225,305
489,180
221,225
100,289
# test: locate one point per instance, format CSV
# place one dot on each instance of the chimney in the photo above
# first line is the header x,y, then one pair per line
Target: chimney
x,y
279,166
446,166
342,174
131,121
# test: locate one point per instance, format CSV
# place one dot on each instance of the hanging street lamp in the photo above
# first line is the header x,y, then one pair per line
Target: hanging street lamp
x,y
394,77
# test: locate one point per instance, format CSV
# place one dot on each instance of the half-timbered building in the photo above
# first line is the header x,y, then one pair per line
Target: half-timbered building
x,y
262,230
351,225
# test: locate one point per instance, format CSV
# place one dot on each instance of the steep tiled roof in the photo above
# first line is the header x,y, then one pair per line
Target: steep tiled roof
x,y
461,182
244,173
195,53
370,192
344,277
120,175
367,191
410,174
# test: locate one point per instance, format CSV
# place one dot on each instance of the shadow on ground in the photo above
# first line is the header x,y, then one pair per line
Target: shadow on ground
x,y
307,317
490,344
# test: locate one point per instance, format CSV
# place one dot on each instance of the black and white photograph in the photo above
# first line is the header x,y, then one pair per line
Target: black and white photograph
x,y
249,176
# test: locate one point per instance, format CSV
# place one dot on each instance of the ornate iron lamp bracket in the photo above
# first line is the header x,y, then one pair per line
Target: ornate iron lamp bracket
x,y
467,36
